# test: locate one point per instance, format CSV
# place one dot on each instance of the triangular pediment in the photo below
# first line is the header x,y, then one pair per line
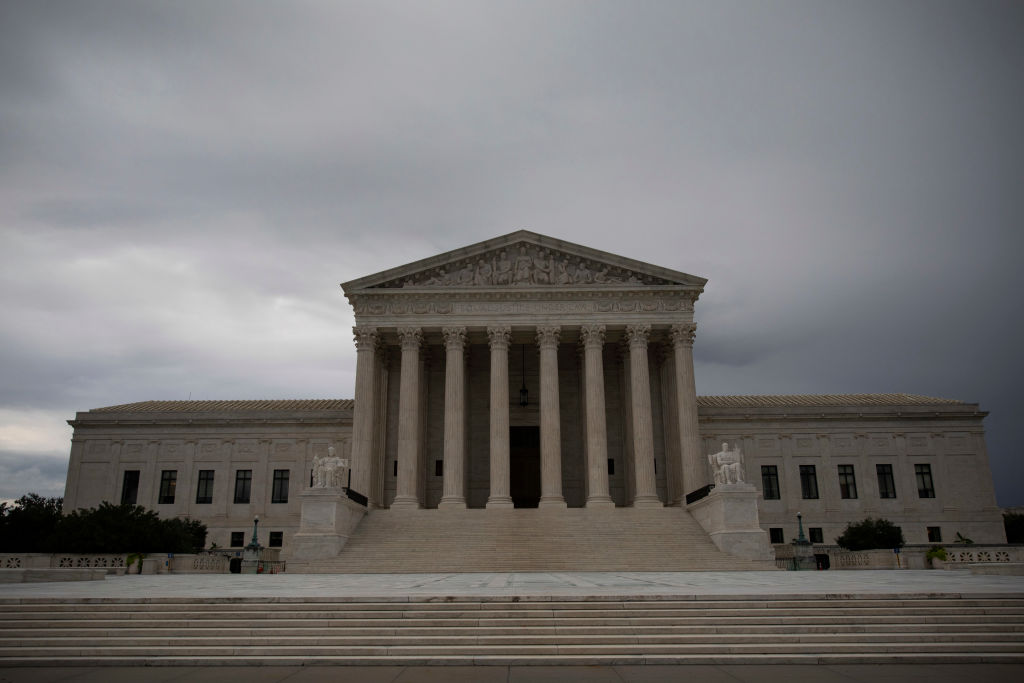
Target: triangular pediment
x,y
524,259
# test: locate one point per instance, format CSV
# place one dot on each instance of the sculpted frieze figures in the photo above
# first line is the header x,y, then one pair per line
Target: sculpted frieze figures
x,y
530,266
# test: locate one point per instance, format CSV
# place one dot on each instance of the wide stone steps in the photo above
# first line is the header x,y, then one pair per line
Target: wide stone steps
x,y
573,539
466,631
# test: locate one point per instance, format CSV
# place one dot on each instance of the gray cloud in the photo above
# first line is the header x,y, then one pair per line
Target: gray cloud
x,y
183,185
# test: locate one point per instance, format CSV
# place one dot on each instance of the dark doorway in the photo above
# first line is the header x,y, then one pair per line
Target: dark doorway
x,y
524,462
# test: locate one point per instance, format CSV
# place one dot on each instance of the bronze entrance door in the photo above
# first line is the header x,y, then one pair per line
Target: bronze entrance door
x,y
524,465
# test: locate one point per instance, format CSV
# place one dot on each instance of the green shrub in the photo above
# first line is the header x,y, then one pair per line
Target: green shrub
x,y
35,524
870,534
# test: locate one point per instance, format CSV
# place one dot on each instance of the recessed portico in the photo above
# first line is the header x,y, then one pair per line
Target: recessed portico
x,y
459,353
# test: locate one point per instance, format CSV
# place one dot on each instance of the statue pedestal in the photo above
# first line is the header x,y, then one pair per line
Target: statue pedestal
x,y
328,519
729,515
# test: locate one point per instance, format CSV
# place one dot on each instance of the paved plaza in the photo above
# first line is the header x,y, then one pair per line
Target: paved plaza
x,y
533,585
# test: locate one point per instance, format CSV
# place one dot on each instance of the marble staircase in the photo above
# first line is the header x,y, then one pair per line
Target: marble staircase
x,y
573,539
502,630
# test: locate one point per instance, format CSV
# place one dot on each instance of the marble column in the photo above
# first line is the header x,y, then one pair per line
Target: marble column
x,y
406,496
550,419
643,426
363,428
454,495
693,467
500,497
592,337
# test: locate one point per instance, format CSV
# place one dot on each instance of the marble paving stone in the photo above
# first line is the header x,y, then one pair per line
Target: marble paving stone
x,y
559,674
346,674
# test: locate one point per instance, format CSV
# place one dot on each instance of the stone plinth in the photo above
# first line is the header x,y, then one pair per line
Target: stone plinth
x,y
328,519
729,515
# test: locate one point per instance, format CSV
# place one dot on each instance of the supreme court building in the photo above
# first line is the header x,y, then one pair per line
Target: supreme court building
x,y
527,372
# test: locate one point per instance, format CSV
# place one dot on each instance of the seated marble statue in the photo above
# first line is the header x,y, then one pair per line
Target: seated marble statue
x,y
329,471
727,466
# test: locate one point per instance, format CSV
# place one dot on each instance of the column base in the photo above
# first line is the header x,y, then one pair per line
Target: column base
x,y
647,502
552,502
452,502
499,502
600,502
405,503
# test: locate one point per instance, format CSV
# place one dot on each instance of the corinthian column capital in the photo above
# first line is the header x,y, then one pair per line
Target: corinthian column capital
x,y
682,334
638,334
411,337
454,338
592,335
365,337
499,336
547,336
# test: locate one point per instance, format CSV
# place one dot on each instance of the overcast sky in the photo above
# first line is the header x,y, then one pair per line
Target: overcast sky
x,y
183,185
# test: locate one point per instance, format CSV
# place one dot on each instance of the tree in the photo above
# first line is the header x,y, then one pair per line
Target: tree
x,y
871,533
1013,522
26,526
125,528
35,524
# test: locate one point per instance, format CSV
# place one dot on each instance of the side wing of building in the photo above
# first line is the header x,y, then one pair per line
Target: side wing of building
x,y
918,461
222,462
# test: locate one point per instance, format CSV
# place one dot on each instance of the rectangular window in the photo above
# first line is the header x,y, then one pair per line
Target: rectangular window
x,y
770,482
276,539
808,482
847,482
934,534
775,535
886,484
204,488
815,535
130,487
279,494
611,465
243,485
237,539
168,482
925,487
439,468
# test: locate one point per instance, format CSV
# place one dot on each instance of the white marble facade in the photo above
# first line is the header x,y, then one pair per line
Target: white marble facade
x,y
603,347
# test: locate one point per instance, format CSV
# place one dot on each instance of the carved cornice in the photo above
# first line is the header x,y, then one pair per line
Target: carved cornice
x,y
547,336
683,334
499,336
592,335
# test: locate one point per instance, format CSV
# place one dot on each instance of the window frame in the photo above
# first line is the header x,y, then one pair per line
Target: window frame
x,y
809,483
246,482
204,487
815,534
847,482
135,488
924,480
240,537
776,532
168,487
279,487
275,539
886,481
770,482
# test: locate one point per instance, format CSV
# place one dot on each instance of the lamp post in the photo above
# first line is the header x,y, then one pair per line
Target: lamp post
x,y
255,543
800,538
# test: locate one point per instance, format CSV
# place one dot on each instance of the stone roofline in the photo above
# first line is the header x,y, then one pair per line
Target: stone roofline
x,y
710,408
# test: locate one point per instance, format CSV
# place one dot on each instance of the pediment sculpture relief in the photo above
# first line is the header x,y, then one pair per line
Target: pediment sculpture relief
x,y
524,266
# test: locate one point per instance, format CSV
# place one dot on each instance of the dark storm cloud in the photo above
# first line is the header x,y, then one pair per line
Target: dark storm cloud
x,y
183,184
